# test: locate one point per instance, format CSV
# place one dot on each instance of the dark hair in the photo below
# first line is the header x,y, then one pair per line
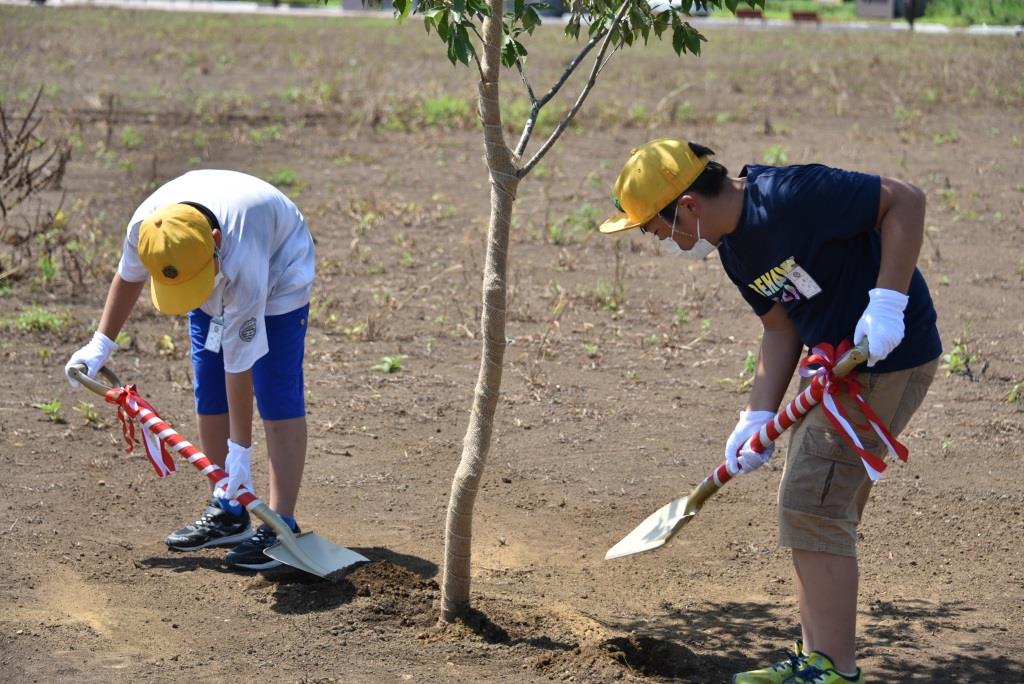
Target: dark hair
x,y
709,183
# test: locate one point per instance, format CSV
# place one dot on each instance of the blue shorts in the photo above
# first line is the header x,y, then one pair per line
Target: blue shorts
x,y
276,377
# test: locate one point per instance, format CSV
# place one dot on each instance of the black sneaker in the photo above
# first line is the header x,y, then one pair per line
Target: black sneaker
x,y
216,527
249,554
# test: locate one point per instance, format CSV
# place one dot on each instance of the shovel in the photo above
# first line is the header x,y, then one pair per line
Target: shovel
x,y
659,527
307,551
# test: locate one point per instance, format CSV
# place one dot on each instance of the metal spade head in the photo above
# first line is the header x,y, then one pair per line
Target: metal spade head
x,y
656,529
314,554
307,551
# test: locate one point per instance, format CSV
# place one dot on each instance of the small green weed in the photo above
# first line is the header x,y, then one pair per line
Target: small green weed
x,y
681,316
775,155
1016,395
747,372
283,178
88,411
610,296
47,269
130,138
389,364
264,134
958,361
165,346
904,115
585,219
38,319
51,410
639,115
591,350
946,137
444,111
705,325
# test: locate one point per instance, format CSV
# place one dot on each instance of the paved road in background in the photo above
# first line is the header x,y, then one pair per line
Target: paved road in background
x,y
220,7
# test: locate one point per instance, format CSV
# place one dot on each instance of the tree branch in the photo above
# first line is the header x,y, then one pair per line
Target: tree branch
x,y
524,139
591,80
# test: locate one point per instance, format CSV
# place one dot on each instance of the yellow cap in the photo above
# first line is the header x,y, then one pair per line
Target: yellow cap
x,y
656,173
176,246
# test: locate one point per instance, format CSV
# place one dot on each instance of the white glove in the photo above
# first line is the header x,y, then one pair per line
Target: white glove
x,y
93,356
882,323
739,457
239,473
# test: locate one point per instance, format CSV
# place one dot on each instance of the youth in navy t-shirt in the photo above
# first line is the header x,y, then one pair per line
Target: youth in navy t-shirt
x,y
807,239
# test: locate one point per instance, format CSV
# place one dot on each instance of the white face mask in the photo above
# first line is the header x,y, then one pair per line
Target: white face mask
x,y
700,250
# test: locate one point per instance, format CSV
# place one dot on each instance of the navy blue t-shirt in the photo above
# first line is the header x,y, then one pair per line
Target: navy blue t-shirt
x,y
807,239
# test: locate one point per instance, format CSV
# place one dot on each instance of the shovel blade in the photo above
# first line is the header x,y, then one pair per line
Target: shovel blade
x,y
655,530
313,554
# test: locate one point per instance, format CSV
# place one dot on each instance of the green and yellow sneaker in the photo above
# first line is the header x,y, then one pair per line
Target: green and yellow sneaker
x,y
777,673
817,668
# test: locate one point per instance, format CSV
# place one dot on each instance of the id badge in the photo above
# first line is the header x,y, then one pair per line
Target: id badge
x,y
214,335
803,282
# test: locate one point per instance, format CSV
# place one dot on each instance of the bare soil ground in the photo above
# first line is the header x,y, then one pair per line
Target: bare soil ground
x,y
621,384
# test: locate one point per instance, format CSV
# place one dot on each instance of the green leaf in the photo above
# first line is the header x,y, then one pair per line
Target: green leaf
x,y
572,28
531,19
678,39
458,6
463,48
692,40
518,10
402,8
444,28
509,56
732,4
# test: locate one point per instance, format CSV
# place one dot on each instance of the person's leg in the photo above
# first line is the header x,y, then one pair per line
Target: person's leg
x,y
827,591
280,395
821,501
220,524
286,451
210,391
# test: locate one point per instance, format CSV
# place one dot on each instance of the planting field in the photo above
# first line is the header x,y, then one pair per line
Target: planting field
x,y
622,381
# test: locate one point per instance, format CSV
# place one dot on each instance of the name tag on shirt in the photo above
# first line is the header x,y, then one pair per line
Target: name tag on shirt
x,y
214,335
803,282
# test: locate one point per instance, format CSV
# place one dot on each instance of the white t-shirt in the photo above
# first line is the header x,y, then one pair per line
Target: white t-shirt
x,y
266,255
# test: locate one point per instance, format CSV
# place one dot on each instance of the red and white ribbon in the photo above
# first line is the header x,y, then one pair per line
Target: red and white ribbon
x,y
819,367
155,432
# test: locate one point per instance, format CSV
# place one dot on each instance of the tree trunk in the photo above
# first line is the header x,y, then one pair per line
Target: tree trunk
x,y
475,445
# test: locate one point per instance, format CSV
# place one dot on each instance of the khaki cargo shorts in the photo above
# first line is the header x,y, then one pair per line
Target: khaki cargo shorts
x,y
824,485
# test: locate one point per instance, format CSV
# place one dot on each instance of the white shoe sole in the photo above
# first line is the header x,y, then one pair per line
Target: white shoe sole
x,y
231,540
267,565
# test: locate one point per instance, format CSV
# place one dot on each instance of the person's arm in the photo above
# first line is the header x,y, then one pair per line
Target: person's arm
x,y
901,208
121,298
780,351
239,389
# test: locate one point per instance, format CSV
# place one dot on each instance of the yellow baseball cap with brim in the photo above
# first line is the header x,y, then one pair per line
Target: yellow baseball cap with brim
x,y
656,174
176,247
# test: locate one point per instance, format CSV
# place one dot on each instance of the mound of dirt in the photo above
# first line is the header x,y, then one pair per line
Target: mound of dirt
x,y
388,588
618,656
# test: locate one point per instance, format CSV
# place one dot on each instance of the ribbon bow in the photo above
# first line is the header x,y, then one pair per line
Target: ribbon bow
x,y
131,407
822,359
